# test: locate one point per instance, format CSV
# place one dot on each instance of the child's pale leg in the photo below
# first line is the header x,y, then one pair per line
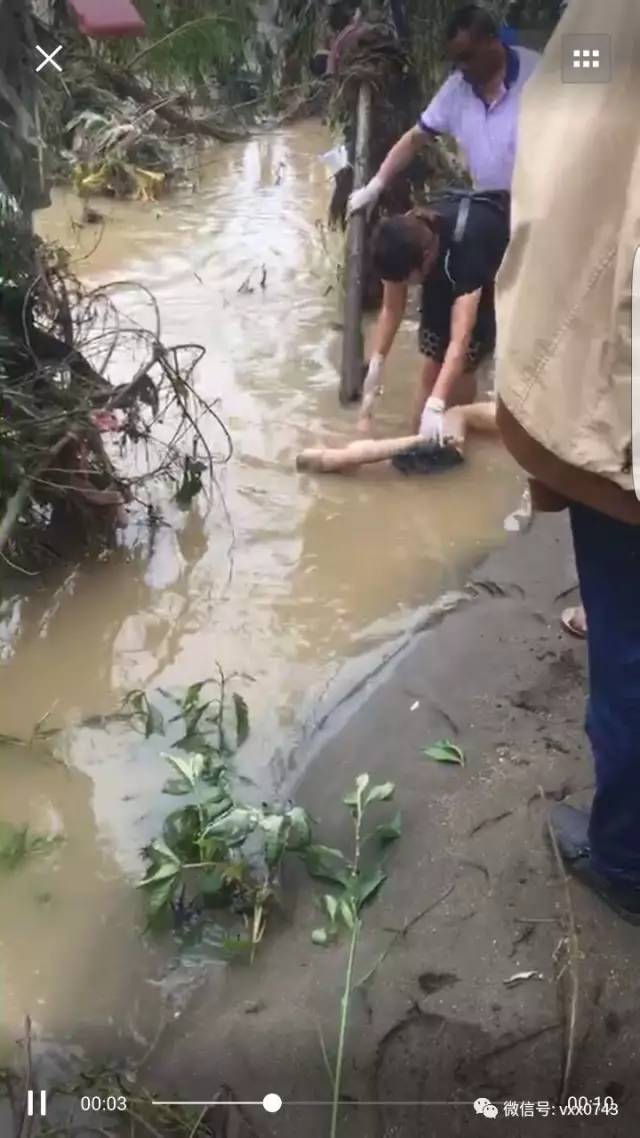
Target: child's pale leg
x,y
356,454
479,417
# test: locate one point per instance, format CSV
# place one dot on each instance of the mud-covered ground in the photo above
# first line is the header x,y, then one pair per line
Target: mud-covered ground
x,y
438,1022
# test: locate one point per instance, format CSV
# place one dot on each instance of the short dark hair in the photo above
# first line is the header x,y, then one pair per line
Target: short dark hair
x,y
340,13
396,249
471,18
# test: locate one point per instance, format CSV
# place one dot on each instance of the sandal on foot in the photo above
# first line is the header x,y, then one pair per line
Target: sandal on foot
x,y
427,457
521,519
574,622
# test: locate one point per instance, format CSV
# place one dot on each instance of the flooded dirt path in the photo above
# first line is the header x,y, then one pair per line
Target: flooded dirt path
x,y
279,576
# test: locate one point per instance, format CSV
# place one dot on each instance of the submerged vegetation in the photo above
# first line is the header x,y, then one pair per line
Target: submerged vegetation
x,y
220,852
217,852
19,844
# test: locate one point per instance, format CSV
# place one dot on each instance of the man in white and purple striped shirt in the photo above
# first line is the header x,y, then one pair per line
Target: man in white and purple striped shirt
x,y
478,105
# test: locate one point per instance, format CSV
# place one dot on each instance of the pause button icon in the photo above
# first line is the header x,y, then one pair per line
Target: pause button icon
x,y
31,1104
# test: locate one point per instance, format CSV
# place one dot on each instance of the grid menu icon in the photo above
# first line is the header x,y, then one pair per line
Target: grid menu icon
x,y
586,59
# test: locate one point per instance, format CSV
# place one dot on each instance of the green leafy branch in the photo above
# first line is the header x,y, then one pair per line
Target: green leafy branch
x,y
358,882
218,852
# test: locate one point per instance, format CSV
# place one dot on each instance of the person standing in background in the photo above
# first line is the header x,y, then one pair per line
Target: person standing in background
x,y
509,32
564,358
477,105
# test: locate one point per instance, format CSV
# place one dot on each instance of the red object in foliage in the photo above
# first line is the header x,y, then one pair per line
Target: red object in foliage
x,y
105,18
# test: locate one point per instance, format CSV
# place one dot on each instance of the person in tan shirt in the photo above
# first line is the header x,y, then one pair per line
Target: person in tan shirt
x,y
564,386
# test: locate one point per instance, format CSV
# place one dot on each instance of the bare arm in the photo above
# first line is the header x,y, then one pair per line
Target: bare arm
x,y
394,302
402,153
397,160
463,318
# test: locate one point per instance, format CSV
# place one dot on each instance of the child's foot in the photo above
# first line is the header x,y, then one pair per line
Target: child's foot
x,y
319,461
309,461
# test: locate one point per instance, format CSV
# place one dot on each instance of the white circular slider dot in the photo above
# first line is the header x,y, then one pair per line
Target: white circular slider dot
x,y
272,1103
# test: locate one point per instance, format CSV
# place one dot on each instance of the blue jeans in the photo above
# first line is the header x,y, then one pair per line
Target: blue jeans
x,y
608,560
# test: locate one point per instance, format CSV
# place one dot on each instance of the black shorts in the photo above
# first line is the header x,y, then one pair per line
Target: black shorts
x,y
434,346
460,268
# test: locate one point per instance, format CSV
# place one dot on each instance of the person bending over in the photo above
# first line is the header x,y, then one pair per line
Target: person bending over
x,y
453,251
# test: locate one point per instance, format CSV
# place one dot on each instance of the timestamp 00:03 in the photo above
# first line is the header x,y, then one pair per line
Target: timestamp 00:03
x,y
103,1104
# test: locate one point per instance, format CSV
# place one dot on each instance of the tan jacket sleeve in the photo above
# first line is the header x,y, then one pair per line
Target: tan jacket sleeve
x,y
564,290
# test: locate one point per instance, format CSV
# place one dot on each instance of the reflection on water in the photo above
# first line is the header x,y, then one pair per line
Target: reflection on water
x,y
280,576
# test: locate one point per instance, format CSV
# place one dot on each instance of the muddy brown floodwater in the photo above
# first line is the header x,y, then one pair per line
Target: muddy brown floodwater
x,y
283,577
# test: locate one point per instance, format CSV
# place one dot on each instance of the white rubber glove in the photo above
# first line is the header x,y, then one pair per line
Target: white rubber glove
x,y
432,421
365,198
372,387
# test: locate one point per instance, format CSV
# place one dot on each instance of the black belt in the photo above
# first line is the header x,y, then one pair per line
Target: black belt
x,y
499,200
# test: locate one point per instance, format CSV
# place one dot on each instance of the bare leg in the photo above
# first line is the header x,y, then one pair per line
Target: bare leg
x,y
479,417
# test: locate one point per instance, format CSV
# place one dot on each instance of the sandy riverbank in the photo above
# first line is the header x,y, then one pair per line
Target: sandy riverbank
x,y
438,1022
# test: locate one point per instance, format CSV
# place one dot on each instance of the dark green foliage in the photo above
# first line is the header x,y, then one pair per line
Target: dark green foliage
x,y
216,852
206,39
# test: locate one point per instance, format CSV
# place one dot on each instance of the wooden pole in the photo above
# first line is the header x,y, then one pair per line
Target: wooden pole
x,y
352,346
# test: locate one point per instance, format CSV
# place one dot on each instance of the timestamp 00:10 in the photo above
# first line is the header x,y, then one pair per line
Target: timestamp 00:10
x,y
574,1107
588,1106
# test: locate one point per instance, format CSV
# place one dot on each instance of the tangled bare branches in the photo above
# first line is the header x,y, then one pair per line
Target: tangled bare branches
x,y
70,439
373,55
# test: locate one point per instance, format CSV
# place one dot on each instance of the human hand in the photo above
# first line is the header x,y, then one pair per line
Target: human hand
x,y
432,421
365,198
372,387
364,426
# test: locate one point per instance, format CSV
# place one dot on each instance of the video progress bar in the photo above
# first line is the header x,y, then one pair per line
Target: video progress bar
x,y
273,1103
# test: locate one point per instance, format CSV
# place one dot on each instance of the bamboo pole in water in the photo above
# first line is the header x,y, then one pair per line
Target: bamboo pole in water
x,y
352,346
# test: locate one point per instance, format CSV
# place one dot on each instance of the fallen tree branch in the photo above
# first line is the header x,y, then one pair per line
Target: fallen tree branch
x,y
126,87
54,402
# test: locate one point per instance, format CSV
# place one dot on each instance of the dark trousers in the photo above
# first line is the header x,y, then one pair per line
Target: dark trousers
x,y
608,559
